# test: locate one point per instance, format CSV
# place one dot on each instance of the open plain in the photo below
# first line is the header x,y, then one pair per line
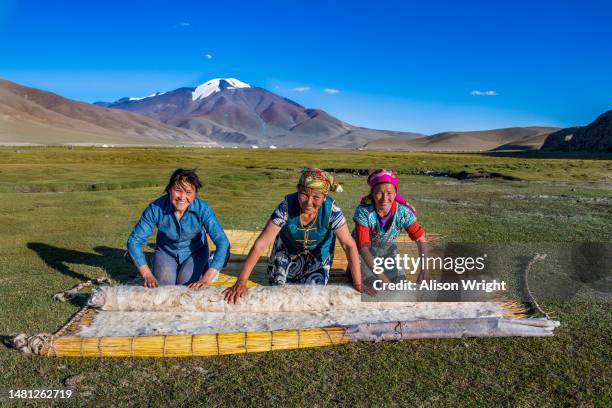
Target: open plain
x,y
65,215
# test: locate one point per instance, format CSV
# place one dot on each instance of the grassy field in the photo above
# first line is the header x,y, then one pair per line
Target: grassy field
x,y
66,214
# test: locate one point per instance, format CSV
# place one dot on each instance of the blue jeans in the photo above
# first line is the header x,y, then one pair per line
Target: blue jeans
x,y
168,271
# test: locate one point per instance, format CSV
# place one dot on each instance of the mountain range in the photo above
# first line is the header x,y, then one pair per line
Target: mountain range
x,y
229,112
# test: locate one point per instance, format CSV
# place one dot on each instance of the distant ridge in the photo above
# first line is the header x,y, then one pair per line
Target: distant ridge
x,y
595,137
515,138
32,116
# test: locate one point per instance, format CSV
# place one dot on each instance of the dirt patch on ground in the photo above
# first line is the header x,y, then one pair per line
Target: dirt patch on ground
x,y
586,200
346,170
267,168
460,175
357,172
465,175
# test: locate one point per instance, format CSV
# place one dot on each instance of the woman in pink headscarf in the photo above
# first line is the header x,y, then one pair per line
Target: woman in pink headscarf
x,y
380,218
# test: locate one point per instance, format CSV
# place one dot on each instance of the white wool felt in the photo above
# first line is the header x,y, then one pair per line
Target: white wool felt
x,y
288,298
168,323
137,311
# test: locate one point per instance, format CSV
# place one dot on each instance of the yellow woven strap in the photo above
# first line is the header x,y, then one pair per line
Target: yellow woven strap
x,y
197,344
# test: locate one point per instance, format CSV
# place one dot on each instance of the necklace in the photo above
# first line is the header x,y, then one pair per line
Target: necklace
x,y
311,221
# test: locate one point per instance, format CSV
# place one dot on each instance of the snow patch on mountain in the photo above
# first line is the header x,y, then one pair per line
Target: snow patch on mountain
x,y
148,96
216,85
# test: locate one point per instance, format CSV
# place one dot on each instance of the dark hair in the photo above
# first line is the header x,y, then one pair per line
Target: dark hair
x,y
184,176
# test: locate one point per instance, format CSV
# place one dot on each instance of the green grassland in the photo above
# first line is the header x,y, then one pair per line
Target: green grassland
x,y
65,215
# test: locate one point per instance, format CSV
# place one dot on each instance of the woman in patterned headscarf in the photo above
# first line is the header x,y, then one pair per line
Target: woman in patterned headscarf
x,y
304,227
380,218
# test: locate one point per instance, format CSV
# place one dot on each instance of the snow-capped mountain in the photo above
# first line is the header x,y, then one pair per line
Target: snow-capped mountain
x,y
217,85
230,111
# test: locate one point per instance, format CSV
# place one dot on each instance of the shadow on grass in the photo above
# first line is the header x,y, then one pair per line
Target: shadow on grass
x,y
7,341
110,260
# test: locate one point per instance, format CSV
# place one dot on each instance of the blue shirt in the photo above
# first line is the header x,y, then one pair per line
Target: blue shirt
x,y
179,238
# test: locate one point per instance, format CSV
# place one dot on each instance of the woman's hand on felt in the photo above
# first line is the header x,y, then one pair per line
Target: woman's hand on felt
x,y
233,294
150,281
365,289
205,279
198,284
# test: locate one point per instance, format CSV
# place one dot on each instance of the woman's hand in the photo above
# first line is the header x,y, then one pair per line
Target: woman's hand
x,y
205,279
383,278
364,289
198,284
262,242
150,281
234,293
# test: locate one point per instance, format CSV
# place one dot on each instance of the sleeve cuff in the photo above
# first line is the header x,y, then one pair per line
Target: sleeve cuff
x,y
139,261
415,231
363,235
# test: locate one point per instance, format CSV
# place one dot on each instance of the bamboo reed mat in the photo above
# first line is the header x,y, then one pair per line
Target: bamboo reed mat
x,y
67,344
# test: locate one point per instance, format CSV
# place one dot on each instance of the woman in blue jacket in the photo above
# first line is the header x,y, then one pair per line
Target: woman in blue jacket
x,y
182,220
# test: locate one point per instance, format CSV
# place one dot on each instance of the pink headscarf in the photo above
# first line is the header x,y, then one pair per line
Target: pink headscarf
x,y
387,176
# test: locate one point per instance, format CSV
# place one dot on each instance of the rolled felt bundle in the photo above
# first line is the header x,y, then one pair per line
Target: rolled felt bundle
x,y
289,298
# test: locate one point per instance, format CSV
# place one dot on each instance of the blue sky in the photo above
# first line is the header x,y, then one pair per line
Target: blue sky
x,y
400,65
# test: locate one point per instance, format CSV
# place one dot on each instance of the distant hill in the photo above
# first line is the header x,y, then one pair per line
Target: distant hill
x,y
32,116
226,111
595,137
230,111
516,138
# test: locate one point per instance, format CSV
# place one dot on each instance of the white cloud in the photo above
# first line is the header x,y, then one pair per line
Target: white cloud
x,y
208,56
331,91
484,93
302,89
184,24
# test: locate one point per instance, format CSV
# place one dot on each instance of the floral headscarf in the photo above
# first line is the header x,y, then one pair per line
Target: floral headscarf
x,y
318,179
